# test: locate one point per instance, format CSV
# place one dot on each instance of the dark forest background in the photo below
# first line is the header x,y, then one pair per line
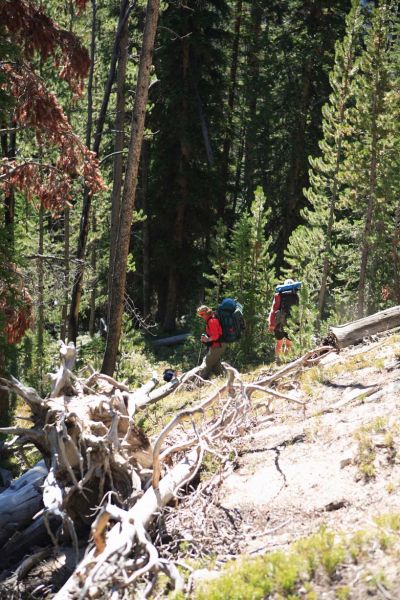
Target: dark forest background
x,y
271,149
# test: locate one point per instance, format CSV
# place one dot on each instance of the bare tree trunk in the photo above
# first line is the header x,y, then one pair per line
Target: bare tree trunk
x,y
356,331
8,147
118,146
93,264
116,300
169,320
84,224
40,303
66,249
64,310
84,227
146,232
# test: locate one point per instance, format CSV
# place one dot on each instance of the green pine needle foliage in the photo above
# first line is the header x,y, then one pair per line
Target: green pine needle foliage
x,y
242,269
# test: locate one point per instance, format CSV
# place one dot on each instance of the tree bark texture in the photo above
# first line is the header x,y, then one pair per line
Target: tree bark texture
x,y
87,200
356,331
231,107
116,299
118,146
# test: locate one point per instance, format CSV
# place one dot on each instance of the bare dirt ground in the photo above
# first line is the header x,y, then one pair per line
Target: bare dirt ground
x,y
297,471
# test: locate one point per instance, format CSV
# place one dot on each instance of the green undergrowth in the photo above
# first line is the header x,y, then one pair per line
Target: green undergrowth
x,y
317,563
379,433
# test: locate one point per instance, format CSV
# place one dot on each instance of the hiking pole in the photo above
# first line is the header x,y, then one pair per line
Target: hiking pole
x,y
198,358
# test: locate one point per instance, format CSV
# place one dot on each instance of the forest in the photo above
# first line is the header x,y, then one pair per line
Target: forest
x,y
267,147
159,156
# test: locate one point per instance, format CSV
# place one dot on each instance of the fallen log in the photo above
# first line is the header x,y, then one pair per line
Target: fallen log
x,y
21,501
355,331
171,341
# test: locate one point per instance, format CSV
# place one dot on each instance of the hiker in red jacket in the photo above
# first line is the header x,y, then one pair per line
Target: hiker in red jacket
x,y
277,318
212,361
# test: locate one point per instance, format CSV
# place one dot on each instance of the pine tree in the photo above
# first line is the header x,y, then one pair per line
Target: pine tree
x,y
371,152
186,153
314,243
219,259
249,275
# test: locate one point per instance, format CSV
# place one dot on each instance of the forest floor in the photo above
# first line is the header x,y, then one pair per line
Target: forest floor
x,y
334,465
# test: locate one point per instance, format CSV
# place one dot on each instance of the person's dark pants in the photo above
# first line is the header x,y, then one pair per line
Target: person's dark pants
x,y
280,333
212,362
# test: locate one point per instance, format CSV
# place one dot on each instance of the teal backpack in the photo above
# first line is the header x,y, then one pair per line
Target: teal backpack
x,y
230,315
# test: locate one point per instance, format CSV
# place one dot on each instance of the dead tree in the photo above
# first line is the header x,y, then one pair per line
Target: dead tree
x,y
103,472
356,331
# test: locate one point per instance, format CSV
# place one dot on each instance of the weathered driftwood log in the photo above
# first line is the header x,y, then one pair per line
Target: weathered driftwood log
x,y
40,532
21,501
89,443
354,332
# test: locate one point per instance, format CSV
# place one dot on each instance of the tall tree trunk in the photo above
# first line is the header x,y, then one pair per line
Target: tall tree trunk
x,y
169,319
366,239
66,249
118,146
40,300
252,96
84,225
371,193
116,299
8,147
231,107
332,205
146,230
297,176
93,264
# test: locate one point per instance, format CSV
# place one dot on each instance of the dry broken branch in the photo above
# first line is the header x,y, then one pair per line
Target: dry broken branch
x,y
98,461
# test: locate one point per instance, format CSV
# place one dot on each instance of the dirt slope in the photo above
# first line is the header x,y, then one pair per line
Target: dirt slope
x,y
337,464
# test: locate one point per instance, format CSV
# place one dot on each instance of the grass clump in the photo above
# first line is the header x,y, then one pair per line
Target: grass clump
x,y
317,559
343,592
278,572
311,380
366,451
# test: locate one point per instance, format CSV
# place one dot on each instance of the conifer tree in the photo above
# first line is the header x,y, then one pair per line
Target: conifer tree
x,y
314,242
249,275
218,254
185,156
370,155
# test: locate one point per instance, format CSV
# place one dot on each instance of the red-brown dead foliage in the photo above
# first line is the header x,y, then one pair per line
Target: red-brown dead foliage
x,y
15,306
33,31
50,182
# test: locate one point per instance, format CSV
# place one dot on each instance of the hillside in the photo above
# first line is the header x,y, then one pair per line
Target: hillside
x,y
303,489
335,466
